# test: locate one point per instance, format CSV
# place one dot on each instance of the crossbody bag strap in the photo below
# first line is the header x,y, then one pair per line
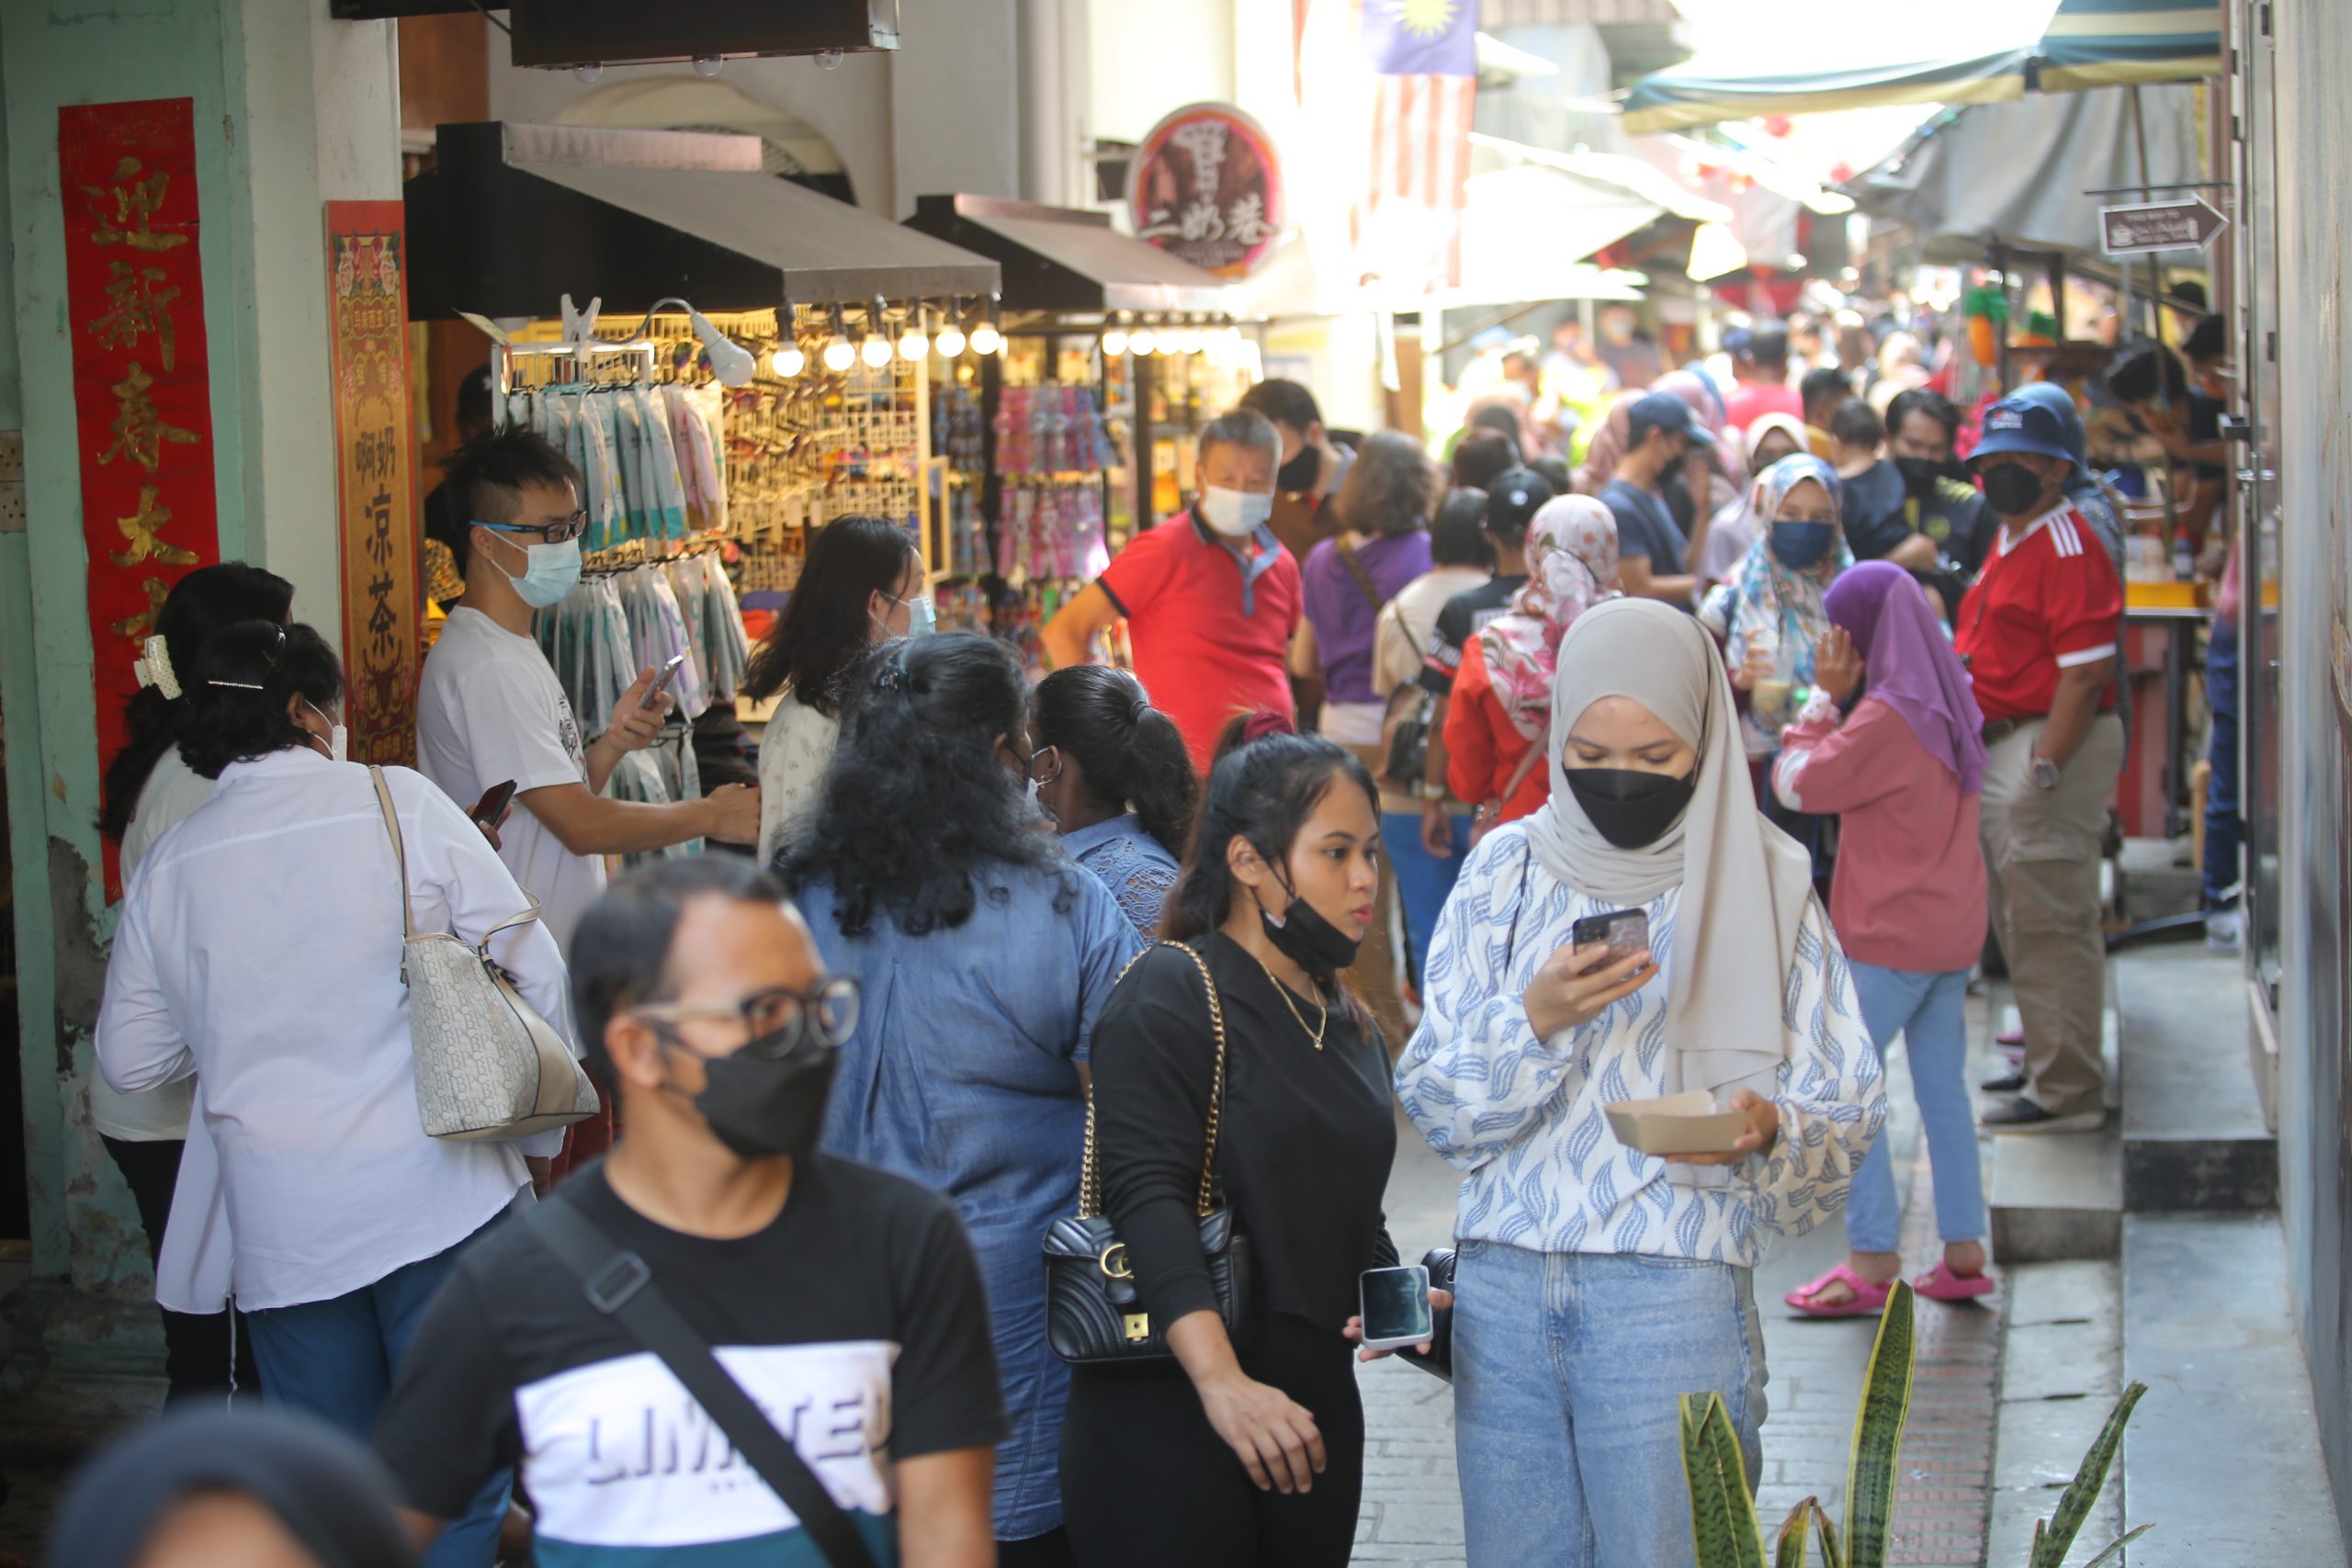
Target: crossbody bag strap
x,y
619,1285
1365,584
400,849
1090,1170
1534,754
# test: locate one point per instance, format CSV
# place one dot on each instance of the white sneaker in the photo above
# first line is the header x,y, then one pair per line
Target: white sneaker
x,y
2223,931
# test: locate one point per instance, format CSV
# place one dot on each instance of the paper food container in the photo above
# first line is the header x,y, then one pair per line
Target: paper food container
x,y
1677,1124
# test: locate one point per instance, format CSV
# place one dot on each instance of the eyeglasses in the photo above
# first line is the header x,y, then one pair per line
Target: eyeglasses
x,y
780,1021
562,531
1046,765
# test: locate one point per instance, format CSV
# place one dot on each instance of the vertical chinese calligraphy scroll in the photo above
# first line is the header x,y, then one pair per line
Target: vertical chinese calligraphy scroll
x,y
367,317
141,393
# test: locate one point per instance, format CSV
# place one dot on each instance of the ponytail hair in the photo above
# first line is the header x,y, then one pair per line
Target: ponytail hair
x,y
242,683
1130,752
208,600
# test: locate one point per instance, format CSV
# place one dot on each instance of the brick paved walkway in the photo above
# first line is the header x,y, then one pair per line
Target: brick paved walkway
x,y
1412,1505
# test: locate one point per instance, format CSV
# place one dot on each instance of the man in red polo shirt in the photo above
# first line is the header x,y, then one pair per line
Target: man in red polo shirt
x,y
1210,596
2040,631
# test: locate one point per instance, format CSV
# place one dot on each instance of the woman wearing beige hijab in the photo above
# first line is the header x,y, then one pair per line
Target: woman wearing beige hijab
x,y
1597,1283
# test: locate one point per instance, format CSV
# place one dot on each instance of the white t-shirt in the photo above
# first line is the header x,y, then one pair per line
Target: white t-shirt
x,y
158,1115
491,710
795,749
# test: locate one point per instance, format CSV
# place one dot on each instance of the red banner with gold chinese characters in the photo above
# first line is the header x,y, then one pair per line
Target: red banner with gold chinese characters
x,y
135,290
368,336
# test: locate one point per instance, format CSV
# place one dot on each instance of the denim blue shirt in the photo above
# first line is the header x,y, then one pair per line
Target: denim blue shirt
x,y
1134,865
962,1076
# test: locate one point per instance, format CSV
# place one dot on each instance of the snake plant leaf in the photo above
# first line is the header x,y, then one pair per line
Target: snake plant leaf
x,y
2075,1504
1724,1533
1788,1547
1831,1556
2115,1548
1878,1434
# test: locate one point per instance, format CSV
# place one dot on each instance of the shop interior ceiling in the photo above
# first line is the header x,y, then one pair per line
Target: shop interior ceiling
x,y
512,217
556,33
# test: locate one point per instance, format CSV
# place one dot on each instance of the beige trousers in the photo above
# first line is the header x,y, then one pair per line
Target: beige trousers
x,y
1375,977
2041,852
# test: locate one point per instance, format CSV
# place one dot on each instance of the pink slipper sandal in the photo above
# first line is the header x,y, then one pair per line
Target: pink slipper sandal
x,y
1940,1284
1867,1299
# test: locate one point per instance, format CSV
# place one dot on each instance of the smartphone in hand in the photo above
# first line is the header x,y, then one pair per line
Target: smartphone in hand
x,y
661,682
1396,1307
493,802
1624,933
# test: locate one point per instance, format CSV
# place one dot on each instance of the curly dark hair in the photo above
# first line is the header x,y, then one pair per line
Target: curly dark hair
x,y
237,700
1128,751
919,807
1263,792
824,631
204,602
1480,456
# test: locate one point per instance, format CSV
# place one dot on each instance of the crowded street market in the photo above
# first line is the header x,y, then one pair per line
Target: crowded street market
x,y
1221,784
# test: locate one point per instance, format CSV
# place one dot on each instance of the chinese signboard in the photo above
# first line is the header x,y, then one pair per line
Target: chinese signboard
x,y
1206,186
142,395
368,334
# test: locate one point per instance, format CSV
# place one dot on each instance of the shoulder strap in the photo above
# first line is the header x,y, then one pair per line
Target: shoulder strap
x,y
619,1285
1365,584
400,850
1090,1170
1526,765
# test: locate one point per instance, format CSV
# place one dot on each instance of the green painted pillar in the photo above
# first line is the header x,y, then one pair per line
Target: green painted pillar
x,y
291,109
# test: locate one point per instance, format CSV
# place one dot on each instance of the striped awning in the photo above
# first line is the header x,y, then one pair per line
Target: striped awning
x,y
2073,45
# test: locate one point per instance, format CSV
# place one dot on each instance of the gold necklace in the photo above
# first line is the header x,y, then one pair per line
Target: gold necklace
x,y
1323,1018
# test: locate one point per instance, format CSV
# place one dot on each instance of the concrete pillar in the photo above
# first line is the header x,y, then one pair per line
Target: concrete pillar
x,y
291,109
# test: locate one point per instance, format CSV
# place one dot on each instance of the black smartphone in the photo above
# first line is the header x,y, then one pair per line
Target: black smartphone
x,y
1396,1306
492,804
1623,932
661,682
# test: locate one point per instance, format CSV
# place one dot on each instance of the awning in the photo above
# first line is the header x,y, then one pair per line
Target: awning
x,y
2017,173
2006,47
1063,261
513,216
1613,176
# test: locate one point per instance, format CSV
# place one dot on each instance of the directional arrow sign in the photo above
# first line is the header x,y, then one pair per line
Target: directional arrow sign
x,y
2147,226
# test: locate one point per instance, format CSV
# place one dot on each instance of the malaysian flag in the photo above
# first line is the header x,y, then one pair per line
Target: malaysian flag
x,y
1424,60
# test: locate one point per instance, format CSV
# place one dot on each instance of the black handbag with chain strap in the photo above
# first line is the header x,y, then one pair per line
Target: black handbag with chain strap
x,y
1093,1312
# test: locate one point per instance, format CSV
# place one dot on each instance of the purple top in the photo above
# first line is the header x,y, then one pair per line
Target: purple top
x,y
1908,663
1343,622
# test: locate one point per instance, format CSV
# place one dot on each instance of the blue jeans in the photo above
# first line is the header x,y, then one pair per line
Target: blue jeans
x,y
1423,881
336,1358
1927,1010
2221,824
1568,1368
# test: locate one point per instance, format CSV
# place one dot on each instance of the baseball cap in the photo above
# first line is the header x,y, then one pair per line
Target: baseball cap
x,y
2025,424
1661,411
1513,500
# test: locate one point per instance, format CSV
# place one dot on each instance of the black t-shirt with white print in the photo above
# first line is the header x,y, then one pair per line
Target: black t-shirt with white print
x,y
1464,616
856,1320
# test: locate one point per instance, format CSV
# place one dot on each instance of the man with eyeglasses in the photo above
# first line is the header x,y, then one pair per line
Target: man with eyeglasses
x,y
492,709
846,1302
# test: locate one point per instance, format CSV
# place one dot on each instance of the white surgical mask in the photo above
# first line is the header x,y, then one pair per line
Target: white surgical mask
x,y
338,738
1235,514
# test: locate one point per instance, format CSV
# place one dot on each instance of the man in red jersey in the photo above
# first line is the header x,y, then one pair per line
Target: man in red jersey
x,y
2040,631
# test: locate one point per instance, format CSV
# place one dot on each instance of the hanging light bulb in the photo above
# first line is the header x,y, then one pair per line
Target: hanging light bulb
x,y
788,361
1189,340
875,348
709,64
840,354
1169,337
985,338
950,340
914,343
1114,342
1142,341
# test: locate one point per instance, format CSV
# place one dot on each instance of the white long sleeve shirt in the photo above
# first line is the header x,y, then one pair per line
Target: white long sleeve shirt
x,y
1522,1117
260,948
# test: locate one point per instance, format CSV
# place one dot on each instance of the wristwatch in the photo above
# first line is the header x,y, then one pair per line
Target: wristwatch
x,y
2042,771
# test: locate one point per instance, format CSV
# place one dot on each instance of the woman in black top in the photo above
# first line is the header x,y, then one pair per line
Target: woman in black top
x,y
1245,1448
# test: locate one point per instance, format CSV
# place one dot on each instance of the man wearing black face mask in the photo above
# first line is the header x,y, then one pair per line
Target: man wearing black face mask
x,y
1312,464
844,1301
1937,498
2039,632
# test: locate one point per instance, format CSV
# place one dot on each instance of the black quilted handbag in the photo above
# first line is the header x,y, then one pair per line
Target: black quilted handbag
x,y
1093,1312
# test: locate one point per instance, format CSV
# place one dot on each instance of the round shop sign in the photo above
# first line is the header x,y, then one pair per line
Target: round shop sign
x,y
1206,186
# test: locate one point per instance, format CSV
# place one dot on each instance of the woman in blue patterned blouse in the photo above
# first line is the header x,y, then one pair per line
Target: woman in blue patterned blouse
x,y
1597,1283
1113,772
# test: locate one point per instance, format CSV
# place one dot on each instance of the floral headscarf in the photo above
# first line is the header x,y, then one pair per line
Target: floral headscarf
x,y
1571,566
1763,595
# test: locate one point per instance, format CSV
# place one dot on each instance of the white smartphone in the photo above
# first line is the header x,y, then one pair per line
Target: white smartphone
x,y
1396,1306
661,682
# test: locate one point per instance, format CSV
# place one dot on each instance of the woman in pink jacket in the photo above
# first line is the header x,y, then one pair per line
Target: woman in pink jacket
x,y
1891,744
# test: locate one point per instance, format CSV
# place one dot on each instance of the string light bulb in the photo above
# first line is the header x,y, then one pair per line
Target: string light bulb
x,y
875,347
788,361
985,338
1142,341
1189,340
1114,342
840,354
950,340
914,343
